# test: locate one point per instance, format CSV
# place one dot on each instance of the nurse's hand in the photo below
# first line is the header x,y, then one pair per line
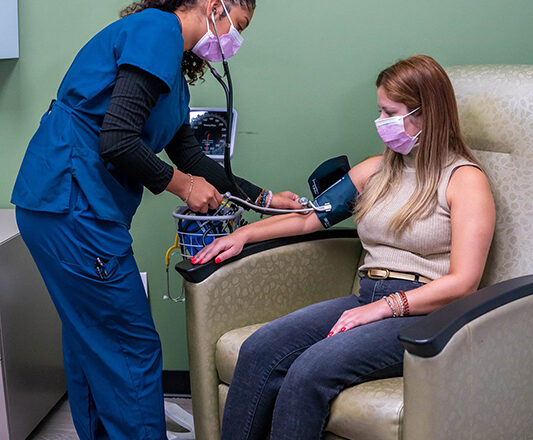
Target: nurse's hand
x,y
203,196
200,196
285,200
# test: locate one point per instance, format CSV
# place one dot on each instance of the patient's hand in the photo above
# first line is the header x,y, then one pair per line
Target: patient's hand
x,y
361,315
225,247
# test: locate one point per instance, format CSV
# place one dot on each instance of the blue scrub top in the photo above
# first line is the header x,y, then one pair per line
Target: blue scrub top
x,y
65,146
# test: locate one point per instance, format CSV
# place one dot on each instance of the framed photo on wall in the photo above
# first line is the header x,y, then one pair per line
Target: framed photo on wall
x,y
9,29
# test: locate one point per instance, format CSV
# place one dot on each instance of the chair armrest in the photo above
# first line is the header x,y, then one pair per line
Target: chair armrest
x,y
196,273
429,336
467,371
272,278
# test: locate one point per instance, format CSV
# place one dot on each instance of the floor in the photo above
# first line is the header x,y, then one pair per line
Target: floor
x,y
58,424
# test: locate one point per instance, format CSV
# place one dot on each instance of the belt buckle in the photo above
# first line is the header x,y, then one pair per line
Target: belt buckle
x,y
374,276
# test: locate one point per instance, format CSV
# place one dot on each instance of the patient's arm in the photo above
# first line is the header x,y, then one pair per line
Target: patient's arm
x,y
272,227
279,226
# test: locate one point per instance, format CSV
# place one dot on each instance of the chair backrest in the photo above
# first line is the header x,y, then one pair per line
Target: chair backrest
x,y
496,112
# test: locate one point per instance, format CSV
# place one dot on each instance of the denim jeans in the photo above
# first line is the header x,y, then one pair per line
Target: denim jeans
x,y
288,373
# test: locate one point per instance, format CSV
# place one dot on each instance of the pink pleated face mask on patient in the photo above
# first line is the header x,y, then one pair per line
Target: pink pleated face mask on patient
x,y
393,134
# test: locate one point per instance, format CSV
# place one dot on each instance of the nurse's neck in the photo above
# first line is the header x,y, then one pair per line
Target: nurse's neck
x,y
193,27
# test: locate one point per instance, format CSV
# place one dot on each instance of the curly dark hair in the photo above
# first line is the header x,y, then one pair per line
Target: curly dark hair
x,y
193,67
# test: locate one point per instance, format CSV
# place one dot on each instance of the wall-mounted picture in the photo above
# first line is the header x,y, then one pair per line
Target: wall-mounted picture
x,y
9,29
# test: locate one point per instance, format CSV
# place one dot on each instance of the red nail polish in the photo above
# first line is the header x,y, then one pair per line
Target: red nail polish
x,y
217,260
343,329
201,261
330,334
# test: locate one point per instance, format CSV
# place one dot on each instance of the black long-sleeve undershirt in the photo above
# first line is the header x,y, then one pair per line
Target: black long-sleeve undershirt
x,y
134,95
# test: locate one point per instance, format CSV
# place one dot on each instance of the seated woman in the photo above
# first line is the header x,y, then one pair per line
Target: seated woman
x,y
425,216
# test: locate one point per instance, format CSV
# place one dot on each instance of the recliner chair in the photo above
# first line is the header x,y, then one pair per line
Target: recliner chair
x,y
466,367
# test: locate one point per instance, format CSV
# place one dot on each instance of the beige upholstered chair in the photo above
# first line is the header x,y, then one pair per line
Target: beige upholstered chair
x,y
467,366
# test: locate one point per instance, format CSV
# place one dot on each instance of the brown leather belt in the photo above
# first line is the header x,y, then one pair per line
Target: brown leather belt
x,y
383,274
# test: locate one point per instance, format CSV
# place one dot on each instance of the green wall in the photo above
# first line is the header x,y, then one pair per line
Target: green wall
x,y
304,92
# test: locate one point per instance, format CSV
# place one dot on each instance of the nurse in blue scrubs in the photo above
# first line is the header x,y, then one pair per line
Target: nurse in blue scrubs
x,y
124,99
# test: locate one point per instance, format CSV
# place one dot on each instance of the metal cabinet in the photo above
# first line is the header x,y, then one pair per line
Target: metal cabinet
x,y
32,377
9,29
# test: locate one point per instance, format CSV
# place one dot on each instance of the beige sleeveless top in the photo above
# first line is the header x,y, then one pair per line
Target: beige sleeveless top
x,y
425,247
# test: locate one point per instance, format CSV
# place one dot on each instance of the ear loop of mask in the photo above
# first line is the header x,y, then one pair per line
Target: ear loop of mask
x,y
215,26
408,114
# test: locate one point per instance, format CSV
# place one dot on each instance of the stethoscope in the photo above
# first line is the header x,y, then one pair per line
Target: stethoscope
x,y
241,198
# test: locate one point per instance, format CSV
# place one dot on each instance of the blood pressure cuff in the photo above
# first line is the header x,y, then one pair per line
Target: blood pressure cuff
x,y
341,195
327,174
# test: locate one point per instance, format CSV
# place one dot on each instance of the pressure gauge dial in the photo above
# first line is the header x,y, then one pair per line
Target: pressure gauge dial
x,y
210,129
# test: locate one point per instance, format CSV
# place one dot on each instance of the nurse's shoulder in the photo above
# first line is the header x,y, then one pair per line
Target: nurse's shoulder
x,y
364,170
151,40
150,16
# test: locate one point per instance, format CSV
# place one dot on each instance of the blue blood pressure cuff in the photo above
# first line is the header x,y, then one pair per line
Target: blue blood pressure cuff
x,y
341,195
327,174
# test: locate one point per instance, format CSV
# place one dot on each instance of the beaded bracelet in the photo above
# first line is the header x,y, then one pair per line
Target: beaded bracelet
x,y
270,195
405,301
389,302
398,304
260,197
400,301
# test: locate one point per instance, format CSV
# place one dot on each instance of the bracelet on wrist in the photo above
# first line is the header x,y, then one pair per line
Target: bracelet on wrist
x,y
405,302
398,304
270,195
389,302
260,198
191,184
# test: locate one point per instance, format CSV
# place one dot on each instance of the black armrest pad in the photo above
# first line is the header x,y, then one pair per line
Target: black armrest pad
x,y
429,336
198,273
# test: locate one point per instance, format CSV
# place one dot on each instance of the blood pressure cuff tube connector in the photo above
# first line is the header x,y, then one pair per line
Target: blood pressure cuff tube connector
x,y
341,195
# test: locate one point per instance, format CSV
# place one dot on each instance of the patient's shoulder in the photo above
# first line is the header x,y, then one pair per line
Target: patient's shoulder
x,y
364,170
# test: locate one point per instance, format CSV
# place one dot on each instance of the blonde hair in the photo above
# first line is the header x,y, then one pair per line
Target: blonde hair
x,y
418,81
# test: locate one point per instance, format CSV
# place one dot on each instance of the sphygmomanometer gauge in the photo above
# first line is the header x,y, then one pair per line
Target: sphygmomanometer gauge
x,y
210,128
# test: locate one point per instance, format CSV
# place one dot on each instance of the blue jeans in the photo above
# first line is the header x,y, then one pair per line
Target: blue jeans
x,y
288,373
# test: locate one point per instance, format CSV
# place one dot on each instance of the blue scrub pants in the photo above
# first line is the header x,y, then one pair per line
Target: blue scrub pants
x,y
112,352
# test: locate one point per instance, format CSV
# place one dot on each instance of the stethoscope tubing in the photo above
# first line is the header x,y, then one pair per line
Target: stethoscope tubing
x,y
228,90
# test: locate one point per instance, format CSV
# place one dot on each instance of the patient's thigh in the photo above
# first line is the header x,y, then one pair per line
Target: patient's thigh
x,y
304,327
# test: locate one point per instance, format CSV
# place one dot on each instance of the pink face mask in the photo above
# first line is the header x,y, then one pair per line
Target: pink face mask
x,y
392,132
208,48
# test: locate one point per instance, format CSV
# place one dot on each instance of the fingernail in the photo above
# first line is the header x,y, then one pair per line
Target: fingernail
x,y
343,329
331,334
217,260
193,260
201,261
